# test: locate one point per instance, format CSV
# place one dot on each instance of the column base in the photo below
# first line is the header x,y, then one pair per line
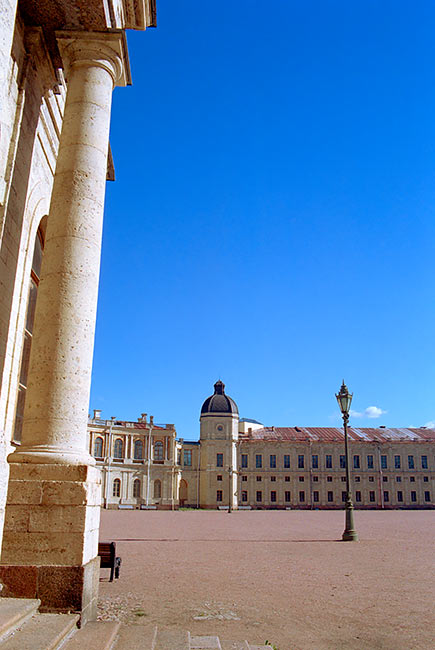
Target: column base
x,y
50,539
61,589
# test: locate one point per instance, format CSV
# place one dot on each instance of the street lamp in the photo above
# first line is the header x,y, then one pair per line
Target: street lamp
x,y
230,489
344,399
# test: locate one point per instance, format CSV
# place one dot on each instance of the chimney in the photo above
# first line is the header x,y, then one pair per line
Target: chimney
x,y
143,417
151,419
97,414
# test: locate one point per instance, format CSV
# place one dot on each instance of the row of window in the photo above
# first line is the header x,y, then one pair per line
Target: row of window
x,y
137,488
328,461
330,496
118,449
356,479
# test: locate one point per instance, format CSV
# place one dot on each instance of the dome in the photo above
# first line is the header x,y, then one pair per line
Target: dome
x,y
219,402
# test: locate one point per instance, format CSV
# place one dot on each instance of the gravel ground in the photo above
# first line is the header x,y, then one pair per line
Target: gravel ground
x,y
276,575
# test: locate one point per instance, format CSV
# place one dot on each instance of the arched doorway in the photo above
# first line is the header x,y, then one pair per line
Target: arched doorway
x,y
183,492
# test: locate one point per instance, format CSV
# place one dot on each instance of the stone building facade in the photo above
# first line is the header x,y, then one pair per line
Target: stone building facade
x,y
59,63
139,462
240,463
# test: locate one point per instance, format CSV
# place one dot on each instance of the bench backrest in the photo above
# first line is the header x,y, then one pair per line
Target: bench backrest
x,y
107,553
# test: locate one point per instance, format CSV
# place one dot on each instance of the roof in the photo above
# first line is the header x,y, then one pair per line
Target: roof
x,y
219,402
333,434
250,421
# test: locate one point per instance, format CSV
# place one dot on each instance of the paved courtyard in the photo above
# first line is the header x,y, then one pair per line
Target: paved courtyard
x,y
277,575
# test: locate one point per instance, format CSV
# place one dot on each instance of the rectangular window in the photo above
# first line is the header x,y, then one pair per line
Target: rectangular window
x,y
258,478
259,496
372,496
358,496
398,479
370,461
219,495
371,479
343,479
287,479
425,479
427,495
287,497
272,460
330,496
273,497
383,462
301,479
315,496
244,495
219,477
343,496
356,462
273,479
286,461
400,496
397,462
302,496
301,461
315,479
245,460
413,496
424,462
328,461
187,457
385,479
244,478
329,479
219,460
357,479
258,461
410,462
342,462
412,479
315,461
386,496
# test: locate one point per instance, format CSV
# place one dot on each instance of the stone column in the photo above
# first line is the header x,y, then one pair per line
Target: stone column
x,y
53,505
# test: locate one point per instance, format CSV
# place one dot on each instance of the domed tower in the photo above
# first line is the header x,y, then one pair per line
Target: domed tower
x,y
219,432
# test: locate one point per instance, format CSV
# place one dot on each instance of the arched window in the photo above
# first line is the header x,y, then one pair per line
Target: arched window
x,y
138,450
136,488
116,487
98,447
28,331
157,489
117,452
158,450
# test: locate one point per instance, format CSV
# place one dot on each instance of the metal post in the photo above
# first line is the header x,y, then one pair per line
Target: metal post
x,y
230,489
350,534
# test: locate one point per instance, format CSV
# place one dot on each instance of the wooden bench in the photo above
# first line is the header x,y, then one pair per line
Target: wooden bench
x,y
109,560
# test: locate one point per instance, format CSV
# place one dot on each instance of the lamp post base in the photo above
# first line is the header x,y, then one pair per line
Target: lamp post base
x,y
350,534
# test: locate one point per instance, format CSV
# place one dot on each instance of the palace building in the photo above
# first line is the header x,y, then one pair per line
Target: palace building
x,y
240,464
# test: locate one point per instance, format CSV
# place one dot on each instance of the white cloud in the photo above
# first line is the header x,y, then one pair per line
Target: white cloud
x,y
374,412
430,424
370,412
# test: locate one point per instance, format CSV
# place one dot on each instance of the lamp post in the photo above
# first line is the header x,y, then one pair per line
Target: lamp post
x,y
344,399
230,489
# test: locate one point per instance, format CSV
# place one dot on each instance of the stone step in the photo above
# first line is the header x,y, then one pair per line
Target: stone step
x,y
204,642
136,637
41,632
14,612
95,636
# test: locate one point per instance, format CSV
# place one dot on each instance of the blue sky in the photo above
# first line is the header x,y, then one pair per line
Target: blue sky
x,y
272,219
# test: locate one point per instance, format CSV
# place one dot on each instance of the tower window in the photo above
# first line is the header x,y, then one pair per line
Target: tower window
x,y
219,460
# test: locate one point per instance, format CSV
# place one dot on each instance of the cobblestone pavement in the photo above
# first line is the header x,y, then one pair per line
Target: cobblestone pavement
x,y
276,575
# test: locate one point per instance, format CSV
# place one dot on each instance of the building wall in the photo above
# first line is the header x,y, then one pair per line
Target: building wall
x,y
31,118
130,452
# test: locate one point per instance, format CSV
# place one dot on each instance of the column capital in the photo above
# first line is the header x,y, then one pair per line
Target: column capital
x,y
107,50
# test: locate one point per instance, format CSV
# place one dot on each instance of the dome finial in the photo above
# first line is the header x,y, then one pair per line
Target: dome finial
x,y
219,388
